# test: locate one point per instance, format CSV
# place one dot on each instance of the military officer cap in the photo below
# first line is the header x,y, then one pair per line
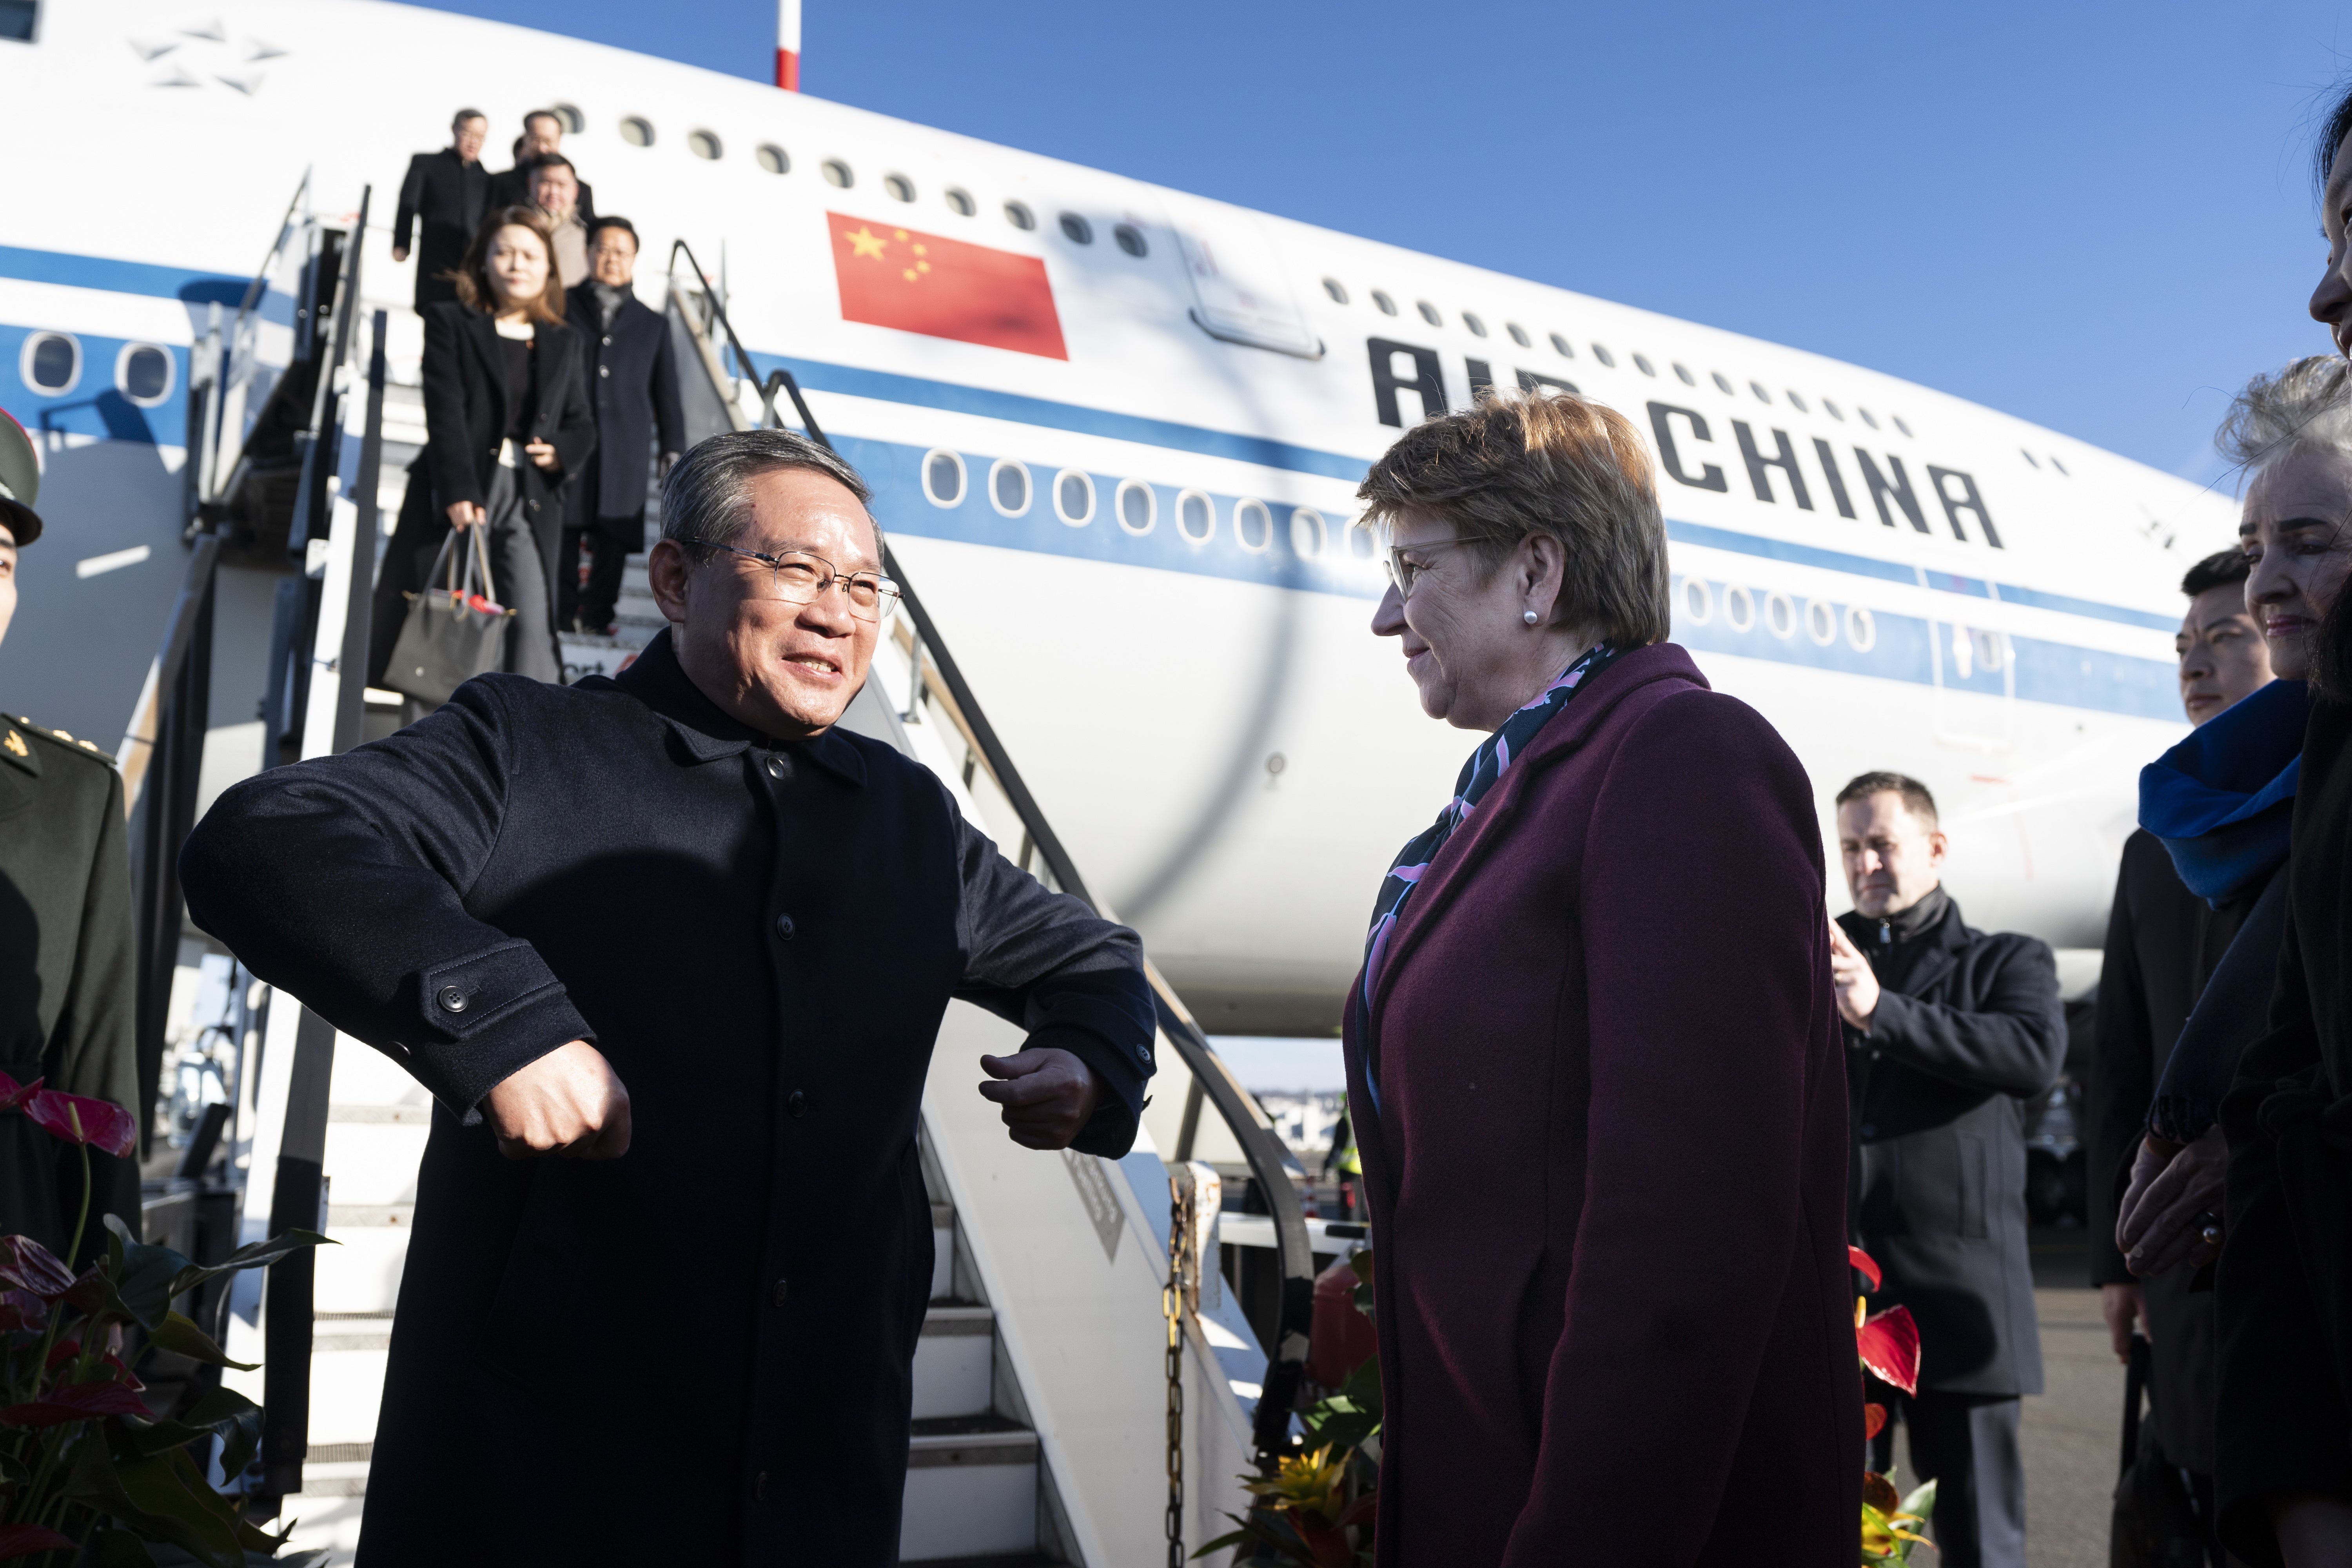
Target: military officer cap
x,y
20,482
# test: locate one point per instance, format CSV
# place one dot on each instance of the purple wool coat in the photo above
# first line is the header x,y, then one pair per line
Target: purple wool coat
x,y
1608,1172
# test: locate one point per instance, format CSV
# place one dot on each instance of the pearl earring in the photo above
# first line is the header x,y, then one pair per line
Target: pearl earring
x,y
1530,617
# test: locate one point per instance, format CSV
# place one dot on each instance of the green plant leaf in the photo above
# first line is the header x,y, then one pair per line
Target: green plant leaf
x,y
143,1276
222,1413
117,1549
181,1336
253,1257
1921,1503
153,1495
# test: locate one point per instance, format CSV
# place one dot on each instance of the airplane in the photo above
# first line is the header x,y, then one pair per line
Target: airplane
x,y
1114,432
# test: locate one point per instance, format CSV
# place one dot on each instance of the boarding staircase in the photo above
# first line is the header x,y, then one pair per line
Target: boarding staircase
x,y
1042,1382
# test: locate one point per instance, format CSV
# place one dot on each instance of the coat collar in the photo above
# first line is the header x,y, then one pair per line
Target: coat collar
x,y
1939,947
1557,739
657,679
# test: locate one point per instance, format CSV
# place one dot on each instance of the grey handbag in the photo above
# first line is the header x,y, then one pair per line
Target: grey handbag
x,y
452,632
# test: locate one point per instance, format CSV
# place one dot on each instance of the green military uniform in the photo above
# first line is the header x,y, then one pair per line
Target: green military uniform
x,y
68,986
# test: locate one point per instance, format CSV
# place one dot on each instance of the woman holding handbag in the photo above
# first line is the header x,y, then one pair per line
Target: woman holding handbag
x,y
507,420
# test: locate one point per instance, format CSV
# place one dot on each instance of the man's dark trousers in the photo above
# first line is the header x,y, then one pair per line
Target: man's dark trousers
x,y
1967,1444
592,597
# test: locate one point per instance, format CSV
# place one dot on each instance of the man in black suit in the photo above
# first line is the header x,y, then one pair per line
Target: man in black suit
x,y
542,133
445,191
1947,1031
632,375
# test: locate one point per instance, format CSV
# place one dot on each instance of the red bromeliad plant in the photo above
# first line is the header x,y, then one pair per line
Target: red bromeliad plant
x,y
85,1466
1888,1344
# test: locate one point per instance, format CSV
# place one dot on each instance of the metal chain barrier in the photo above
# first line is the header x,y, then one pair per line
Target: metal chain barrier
x,y
1172,1307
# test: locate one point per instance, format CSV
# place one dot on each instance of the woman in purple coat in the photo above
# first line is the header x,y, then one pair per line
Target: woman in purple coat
x,y
1603,1117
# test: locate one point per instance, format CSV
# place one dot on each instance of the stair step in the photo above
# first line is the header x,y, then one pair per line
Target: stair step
x,y
955,1363
972,1490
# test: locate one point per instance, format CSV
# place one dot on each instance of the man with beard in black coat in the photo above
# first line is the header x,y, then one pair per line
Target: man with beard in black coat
x,y
1947,1031
632,371
689,1339
444,194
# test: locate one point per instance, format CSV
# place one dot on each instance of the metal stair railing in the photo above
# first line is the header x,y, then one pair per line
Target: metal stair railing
x,y
1267,1158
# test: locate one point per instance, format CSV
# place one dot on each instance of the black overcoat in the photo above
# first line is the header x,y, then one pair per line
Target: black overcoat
x,y
700,1351
631,370
68,976
444,195
1968,1025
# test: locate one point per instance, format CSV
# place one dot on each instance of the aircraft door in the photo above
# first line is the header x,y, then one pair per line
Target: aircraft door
x,y
1241,292
1973,662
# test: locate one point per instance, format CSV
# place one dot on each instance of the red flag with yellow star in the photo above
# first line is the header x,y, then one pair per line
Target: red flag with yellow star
x,y
943,288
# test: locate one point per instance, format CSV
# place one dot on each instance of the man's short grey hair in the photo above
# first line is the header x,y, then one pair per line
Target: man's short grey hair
x,y
2306,405
707,496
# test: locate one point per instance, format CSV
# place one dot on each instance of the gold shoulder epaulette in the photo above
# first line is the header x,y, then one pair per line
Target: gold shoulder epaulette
x,y
13,742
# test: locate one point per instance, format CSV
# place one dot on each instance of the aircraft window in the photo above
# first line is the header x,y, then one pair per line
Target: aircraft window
x,y
636,131
1307,534
1796,402
1722,383
1866,419
1604,356
1074,497
1833,410
1008,487
1900,425
959,202
1738,608
1561,344
51,362
1428,313
1387,305
1518,334
19,20
1757,388
1019,216
705,145
1780,615
1336,290
943,478
839,174
1139,507
773,158
1078,231
143,373
1821,622
1683,371
569,117
901,187
1861,629
1698,601
1253,525
1130,239
2027,455
1196,517
1641,363
1477,328
2059,466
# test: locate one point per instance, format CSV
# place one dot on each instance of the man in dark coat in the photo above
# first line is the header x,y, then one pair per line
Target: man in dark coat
x,y
1947,1031
692,1340
631,372
68,953
543,133
2163,941
445,192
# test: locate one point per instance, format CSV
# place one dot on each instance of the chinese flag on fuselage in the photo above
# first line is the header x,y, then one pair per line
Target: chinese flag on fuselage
x,y
892,277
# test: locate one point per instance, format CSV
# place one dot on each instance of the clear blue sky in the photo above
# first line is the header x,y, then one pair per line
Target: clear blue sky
x,y
2096,216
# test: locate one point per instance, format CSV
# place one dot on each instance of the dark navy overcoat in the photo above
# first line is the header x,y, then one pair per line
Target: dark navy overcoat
x,y
700,1351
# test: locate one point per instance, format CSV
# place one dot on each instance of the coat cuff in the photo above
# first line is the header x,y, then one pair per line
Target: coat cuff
x,y
477,1020
1104,1017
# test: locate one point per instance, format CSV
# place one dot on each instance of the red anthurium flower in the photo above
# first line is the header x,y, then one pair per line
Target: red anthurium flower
x,y
76,1119
21,1310
1888,1344
76,1402
1862,1261
65,1352
13,1096
123,1374
27,1264
1873,1420
24,1540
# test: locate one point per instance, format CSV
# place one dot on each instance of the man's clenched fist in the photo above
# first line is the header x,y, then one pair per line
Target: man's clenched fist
x,y
568,1103
1048,1094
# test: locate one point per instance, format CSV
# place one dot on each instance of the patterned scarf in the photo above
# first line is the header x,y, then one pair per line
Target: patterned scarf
x,y
1481,773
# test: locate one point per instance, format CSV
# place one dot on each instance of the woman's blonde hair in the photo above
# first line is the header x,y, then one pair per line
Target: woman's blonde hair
x,y
473,274
2307,404
1514,465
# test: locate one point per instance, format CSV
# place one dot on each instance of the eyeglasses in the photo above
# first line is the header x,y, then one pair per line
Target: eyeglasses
x,y
1402,571
798,577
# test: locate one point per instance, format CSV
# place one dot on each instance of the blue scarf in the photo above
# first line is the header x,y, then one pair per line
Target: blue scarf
x,y
1481,773
2223,799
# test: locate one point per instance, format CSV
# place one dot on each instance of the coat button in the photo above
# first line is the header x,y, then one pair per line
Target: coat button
x,y
604,370
796,1105
784,927
782,1290
775,767
452,1000
760,1487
